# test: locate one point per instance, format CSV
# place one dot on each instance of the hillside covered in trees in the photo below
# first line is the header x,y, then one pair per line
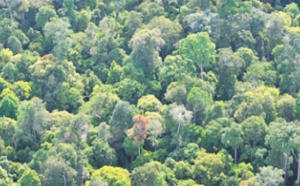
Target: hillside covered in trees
x,y
149,92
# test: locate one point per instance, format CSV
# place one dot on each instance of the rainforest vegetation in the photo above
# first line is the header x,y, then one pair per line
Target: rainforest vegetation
x,y
149,92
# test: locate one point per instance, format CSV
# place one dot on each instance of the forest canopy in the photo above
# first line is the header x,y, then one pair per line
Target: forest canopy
x,y
149,92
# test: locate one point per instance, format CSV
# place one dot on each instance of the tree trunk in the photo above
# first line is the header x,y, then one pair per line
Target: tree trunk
x,y
139,150
201,71
9,9
298,173
178,131
65,182
286,164
194,115
235,156
23,16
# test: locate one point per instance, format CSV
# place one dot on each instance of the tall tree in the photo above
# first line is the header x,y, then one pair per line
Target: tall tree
x,y
232,136
59,30
269,176
145,45
181,117
120,121
32,122
200,49
30,177
139,130
282,136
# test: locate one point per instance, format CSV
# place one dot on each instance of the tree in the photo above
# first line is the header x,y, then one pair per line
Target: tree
x,y
152,174
297,106
145,45
4,178
14,44
130,90
8,127
232,136
292,9
30,177
114,176
139,130
58,31
32,122
205,21
69,97
149,103
282,136
229,67
96,182
43,16
114,73
200,100
133,21
270,176
182,170
210,169
170,32
10,72
176,93
120,121
217,110
10,5
48,75
254,130
9,106
181,117
214,132
156,128
150,10
200,49
82,20
261,73
7,27
286,106
175,68
101,154
58,172
100,105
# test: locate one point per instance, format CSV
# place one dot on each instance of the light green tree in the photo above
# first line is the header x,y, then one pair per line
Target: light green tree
x,y
270,176
232,137
30,177
281,136
200,49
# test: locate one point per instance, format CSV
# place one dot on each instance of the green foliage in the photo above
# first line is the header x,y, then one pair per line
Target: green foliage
x,y
101,154
200,49
145,44
9,106
130,90
131,148
100,106
32,120
8,127
222,75
269,176
58,172
152,174
210,168
114,176
121,121
149,103
5,180
30,177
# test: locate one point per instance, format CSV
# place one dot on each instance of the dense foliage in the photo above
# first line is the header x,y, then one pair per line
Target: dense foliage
x,y
149,92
